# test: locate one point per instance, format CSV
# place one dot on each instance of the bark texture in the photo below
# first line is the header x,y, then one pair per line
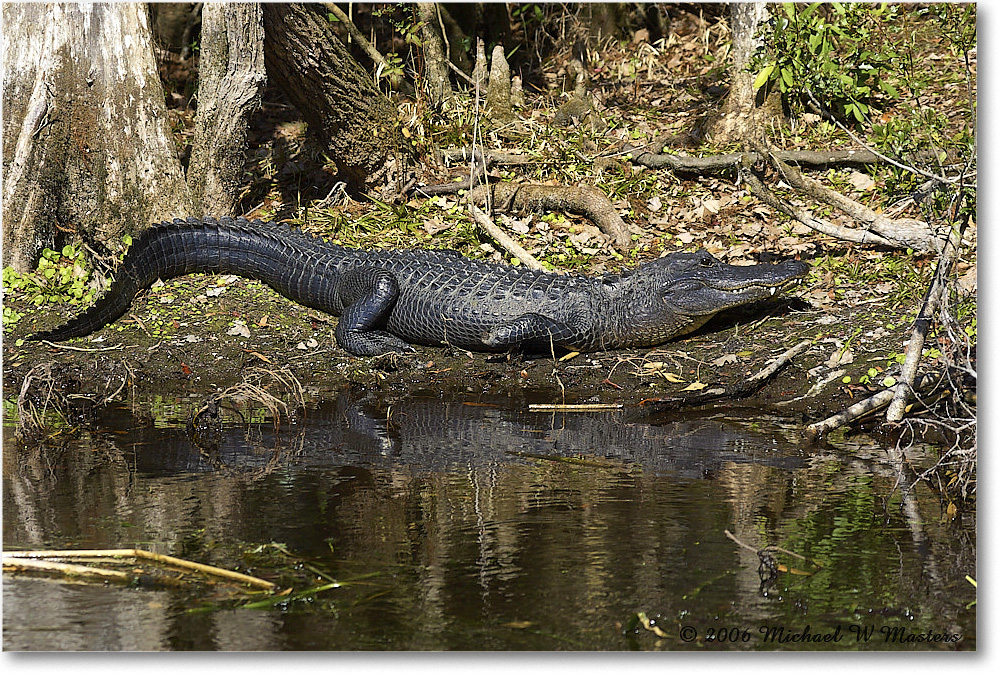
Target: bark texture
x,y
742,118
336,97
498,106
436,75
231,81
86,146
584,200
601,20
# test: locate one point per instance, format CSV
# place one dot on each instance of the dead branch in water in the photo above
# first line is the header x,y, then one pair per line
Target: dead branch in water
x,y
38,561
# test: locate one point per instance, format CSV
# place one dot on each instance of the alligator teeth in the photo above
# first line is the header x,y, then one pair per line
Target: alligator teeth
x,y
773,289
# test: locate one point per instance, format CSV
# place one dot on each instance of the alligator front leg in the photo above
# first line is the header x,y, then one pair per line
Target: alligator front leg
x,y
368,296
532,329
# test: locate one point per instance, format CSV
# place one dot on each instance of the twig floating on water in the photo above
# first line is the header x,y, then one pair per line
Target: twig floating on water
x,y
573,407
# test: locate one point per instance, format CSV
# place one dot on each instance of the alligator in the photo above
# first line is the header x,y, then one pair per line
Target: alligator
x,y
389,300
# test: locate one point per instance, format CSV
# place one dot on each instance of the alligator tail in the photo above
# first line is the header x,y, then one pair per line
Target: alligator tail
x,y
172,249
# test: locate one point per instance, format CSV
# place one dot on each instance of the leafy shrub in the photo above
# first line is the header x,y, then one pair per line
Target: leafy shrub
x,y
61,277
841,53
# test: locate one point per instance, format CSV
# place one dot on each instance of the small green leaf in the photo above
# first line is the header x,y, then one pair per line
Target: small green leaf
x,y
888,89
763,76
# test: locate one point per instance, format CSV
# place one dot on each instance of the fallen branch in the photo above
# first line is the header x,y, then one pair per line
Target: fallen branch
x,y
860,409
501,237
928,310
654,159
904,232
573,407
56,345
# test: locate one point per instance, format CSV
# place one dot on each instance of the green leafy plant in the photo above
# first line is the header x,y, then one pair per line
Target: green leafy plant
x,y
61,276
10,316
840,53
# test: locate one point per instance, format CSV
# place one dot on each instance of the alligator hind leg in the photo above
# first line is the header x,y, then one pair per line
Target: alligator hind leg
x,y
531,329
368,296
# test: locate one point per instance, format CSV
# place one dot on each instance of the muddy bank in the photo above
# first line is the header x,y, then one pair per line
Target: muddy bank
x,y
199,335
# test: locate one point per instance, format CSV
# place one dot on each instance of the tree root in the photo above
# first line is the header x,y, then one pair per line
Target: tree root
x,y
808,219
583,200
653,158
879,229
579,199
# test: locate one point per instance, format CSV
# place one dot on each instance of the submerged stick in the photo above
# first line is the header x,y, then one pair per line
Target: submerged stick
x,y
565,460
143,555
69,570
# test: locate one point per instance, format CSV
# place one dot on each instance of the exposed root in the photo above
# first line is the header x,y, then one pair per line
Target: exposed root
x,y
822,225
46,401
253,388
653,158
902,232
583,200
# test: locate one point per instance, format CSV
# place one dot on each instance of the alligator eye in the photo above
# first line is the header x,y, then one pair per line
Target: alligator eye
x,y
707,262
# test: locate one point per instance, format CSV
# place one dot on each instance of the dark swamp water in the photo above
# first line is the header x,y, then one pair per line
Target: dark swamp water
x,y
437,525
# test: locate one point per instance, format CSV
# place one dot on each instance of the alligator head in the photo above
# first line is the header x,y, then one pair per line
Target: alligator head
x,y
682,291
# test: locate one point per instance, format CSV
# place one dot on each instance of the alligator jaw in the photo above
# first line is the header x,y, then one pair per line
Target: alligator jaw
x,y
709,297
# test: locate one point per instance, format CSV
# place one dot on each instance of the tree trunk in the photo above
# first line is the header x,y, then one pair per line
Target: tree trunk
x,y
602,20
86,146
336,97
230,83
436,76
744,113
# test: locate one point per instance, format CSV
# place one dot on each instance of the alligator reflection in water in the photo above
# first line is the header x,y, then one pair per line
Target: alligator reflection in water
x,y
430,434
477,539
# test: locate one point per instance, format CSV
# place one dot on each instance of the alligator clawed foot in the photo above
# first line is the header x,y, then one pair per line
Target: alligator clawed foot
x,y
389,362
